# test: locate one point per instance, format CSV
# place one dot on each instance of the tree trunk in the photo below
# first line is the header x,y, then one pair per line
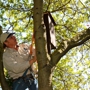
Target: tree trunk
x,y
4,85
45,79
44,73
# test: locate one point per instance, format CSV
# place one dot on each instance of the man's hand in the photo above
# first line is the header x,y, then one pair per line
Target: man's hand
x,y
33,60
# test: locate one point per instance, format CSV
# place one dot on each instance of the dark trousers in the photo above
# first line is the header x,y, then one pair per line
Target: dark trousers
x,y
25,84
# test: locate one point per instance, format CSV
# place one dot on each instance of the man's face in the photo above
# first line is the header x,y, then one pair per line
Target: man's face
x,y
11,41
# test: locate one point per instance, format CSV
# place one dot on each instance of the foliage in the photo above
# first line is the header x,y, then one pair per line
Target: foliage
x,y
9,80
17,16
72,72
71,17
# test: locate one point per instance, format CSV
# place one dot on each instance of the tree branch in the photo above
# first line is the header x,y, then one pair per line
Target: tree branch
x,y
61,7
65,46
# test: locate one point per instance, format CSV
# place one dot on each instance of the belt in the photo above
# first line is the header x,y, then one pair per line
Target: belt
x,y
29,76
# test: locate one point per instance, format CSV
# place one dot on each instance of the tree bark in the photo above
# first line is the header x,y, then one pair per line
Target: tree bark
x,y
44,73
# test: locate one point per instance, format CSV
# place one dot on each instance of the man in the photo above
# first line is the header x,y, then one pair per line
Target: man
x,y
17,59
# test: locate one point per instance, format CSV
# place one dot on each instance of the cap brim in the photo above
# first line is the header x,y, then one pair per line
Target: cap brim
x,y
10,34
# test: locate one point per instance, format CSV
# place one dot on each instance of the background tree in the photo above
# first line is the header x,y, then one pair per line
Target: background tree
x,y
71,17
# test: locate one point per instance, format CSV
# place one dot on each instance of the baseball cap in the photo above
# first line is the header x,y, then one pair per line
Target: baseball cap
x,y
4,36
